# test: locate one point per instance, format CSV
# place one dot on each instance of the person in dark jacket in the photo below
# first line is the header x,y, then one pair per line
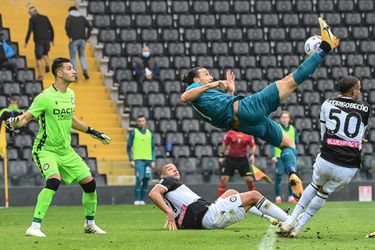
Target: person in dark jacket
x,y
43,39
78,30
145,67
4,62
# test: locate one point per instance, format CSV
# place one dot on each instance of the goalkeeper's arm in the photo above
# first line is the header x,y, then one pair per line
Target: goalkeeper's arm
x,y
80,126
18,121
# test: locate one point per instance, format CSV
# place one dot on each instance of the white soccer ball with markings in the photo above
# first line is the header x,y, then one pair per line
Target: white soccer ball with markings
x,y
312,44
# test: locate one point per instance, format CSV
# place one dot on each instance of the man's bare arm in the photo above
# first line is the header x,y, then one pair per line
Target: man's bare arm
x,y
194,93
156,195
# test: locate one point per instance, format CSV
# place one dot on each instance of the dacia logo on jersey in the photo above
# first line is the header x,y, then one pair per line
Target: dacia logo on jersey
x,y
64,114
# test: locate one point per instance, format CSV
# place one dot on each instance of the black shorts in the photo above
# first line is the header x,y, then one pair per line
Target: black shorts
x,y
42,48
239,163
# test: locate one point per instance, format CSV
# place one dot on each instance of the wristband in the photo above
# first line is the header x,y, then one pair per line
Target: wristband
x,y
221,154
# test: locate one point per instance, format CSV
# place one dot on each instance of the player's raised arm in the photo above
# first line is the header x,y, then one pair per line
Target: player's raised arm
x,y
80,126
194,93
19,121
156,195
231,88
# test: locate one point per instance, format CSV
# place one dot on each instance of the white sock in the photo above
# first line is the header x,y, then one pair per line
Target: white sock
x,y
36,224
305,200
255,211
315,205
268,208
90,222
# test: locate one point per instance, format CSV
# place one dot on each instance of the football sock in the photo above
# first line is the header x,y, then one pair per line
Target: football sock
x,y
268,208
315,205
250,186
255,211
278,179
90,221
221,189
89,202
44,200
304,201
288,156
137,190
36,224
308,67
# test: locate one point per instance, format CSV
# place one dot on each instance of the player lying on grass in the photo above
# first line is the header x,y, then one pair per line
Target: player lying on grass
x,y
187,210
52,152
343,123
250,114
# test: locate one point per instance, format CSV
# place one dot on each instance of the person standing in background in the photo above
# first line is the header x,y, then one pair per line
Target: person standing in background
x,y
141,153
236,159
291,131
43,38
78,29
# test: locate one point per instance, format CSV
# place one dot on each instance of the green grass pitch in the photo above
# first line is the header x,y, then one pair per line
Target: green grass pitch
x,y
339,225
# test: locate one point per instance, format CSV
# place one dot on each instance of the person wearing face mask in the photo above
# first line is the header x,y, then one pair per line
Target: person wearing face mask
x,y
145,67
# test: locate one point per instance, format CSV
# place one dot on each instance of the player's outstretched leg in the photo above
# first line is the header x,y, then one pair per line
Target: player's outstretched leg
x,y
44,200
89,202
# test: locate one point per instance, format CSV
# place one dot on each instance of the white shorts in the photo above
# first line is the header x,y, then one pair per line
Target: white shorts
x,y
224,212
331,176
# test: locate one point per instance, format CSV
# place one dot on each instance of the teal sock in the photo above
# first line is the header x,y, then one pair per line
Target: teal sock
x,y
308,67
288,156
137,190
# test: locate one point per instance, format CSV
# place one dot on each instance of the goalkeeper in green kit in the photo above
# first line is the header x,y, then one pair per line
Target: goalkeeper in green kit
x,y
52,153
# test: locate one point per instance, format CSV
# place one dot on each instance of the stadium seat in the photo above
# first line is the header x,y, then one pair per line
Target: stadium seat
x,y
201,7
310,19
345,5
182,62
200,151
128,87
181,151
274,74
170,35
128,35
192,35
134,99
12,154
276,34
248,20
157,137
313,149
156,99
220,48
183,112
297,34
309,137
326,6
240,48
150,86
172,86
81,151
160,151
233,35
198,49
210,164
207,21
304,6
120,21
134,49
334,19
320,73
163,161
136,111
326,85
257,86
168,126
226,62
270,20
143,21
289,20
367,46
33,126
175,138
96,7
368,162
162,113
263,6
117,7
159,7
21,141
17,168
112,49
209,128
365,5
137,7
187,165
344,33
227,20
253,74
292,99
123,75
368,84
23,102
290,61
11,89
107,35
157,49
371,60
221,6
300,150
255,34
360,33
241,86
25,75
339,72
217,138
333,60
307,85
165,21
102,21
247,62
296,111
261,48
180,7
91,163
353,19
367,148
362,72
213,35
190,125
284,48
149,35
118,63
284,6
196,138
174,99
187,21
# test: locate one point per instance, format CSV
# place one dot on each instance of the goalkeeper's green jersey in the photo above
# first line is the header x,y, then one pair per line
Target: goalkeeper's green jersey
x,y
55,111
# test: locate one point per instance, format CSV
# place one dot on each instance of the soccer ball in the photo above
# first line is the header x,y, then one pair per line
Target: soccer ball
x,y
311,45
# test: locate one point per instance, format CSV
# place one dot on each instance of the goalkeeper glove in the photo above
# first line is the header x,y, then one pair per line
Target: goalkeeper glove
x,y
11,122
105,139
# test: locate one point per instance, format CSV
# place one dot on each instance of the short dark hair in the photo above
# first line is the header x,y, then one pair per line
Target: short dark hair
x,y
57,63
347,83
188,78
140,116
72,8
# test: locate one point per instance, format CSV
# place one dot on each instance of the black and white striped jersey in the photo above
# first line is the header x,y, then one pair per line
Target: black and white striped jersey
x,y
345,121
177,194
